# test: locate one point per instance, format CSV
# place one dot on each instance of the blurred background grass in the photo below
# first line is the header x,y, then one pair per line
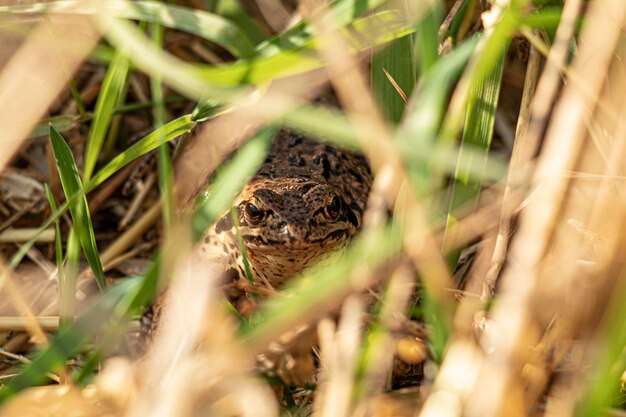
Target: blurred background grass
x,y
484,122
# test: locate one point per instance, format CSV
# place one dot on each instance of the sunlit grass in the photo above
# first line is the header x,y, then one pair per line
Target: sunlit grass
x,y
441,77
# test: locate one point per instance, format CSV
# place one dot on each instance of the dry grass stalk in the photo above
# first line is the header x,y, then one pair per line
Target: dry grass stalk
x,y
516,317
339,359
41,68
596,281
196,331
523,152
492,382
138,200
198,367
549,82
21,305
11,235
21,324
132,234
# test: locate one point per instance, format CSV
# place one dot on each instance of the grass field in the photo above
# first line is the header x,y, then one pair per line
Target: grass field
x,y
493,240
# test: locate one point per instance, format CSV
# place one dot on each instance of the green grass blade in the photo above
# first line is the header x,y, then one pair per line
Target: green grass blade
x,y
420,131
70,180
233,11
427,38
420,127
547,18
21,252
60,123
67,286
153,140
67,280
206,25
363,33
299,35
477,136
168,132
80,106
393,65
108,99
205,110
487,53
166,170
58,243
439,330
218,82
259,71
324,123
230,179
182,76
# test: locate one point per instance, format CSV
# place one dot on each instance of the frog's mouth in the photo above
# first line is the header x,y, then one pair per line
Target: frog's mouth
x,y
288,243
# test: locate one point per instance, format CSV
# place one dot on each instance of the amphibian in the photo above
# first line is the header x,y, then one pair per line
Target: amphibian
x,y
306,200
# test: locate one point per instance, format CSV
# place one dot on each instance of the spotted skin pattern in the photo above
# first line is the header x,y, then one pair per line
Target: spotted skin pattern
x,y
306,200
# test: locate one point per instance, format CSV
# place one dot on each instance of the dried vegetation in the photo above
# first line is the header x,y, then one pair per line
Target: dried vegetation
x,y
488,279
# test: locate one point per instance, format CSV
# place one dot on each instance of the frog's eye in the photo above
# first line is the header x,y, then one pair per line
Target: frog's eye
x,y
253,213
333,208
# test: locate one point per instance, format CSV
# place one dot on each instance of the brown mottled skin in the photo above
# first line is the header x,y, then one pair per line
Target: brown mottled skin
x,y
306,200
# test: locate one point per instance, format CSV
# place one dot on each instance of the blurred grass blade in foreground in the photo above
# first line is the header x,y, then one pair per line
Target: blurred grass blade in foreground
x,y
205,25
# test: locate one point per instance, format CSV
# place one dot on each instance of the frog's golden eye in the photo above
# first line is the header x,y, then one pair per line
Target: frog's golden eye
x,y
333,208
253,213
